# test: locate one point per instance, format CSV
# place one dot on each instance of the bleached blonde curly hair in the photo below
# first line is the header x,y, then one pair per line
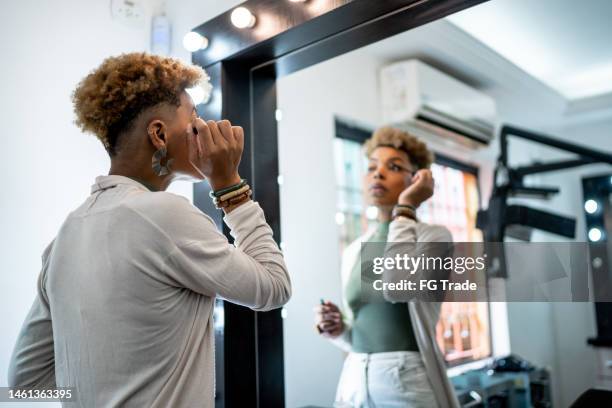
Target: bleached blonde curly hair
x,y
107,101
388,136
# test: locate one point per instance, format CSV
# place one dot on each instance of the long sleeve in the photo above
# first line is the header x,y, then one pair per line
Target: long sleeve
x,y
344,340
407,237
251,273
404,229
32,363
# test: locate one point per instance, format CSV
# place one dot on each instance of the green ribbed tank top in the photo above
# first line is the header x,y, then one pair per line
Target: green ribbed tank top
x,y
378,325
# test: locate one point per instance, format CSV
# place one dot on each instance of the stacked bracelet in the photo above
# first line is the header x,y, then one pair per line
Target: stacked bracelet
x,y
231,195
237,199
412,207
219,193
404,210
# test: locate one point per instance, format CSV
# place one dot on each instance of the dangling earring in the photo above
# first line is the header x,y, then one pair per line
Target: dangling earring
x,y
158,167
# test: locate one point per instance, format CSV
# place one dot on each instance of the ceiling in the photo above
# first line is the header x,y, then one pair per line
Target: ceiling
x,y
565,44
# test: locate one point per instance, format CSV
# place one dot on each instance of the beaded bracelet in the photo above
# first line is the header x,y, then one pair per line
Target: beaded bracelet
x,y
412,207
219,193
233,200
234,193
404,211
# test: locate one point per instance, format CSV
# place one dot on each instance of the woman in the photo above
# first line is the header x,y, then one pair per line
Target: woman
x,y
124,312
393,358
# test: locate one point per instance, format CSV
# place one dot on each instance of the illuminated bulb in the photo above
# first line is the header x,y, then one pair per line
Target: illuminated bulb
x,y
193,41
279,179
197,94
278,115
201,92
590,206
371,213
597,262
594,234
242,18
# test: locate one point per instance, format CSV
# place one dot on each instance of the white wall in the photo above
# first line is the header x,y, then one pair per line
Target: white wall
x,y
48,165
188,14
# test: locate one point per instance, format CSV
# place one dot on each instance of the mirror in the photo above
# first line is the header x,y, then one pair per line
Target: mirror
x,y
449,84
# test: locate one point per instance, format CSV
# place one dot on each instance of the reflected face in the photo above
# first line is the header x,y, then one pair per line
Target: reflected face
x,y
389,173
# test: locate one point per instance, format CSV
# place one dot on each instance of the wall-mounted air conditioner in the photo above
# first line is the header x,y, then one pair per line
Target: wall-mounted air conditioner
x,y
427,101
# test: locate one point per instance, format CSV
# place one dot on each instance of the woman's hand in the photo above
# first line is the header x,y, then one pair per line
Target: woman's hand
x,y
328,320
219,151
419,190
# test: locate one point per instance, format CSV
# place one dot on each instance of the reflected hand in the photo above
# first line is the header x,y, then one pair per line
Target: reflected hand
x,y
419,190
328,320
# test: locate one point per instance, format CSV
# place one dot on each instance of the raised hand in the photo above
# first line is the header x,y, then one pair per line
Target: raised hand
x,y
219,151
419,190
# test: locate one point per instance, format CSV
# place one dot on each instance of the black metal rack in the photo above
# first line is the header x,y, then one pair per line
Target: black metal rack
x,y
500,219
509,182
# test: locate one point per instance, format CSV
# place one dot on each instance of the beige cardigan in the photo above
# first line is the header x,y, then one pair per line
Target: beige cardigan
x,y
424,315
126,296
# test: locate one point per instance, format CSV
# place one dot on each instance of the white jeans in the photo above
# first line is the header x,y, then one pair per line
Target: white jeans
x,y
384,380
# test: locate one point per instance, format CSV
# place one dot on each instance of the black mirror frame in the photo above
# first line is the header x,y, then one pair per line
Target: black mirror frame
x,y
243,65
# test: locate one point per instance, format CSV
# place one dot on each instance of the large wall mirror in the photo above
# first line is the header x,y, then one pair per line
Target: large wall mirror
x,y
327,112
439,73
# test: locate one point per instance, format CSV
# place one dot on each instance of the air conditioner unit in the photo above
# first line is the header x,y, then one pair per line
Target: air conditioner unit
x,y
426,101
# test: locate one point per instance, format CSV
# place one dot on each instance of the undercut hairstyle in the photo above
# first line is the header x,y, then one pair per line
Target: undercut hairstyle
x,y
387,136
109,99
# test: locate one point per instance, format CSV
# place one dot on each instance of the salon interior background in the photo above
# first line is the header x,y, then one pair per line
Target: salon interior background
x,y
48,165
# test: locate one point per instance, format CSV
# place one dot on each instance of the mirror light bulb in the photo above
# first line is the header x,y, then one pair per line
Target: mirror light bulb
x,y
197,94
193,41
590,206
242,18
595,234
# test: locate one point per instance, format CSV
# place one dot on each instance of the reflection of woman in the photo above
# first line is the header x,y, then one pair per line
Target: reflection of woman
x,y
393,358
124,312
